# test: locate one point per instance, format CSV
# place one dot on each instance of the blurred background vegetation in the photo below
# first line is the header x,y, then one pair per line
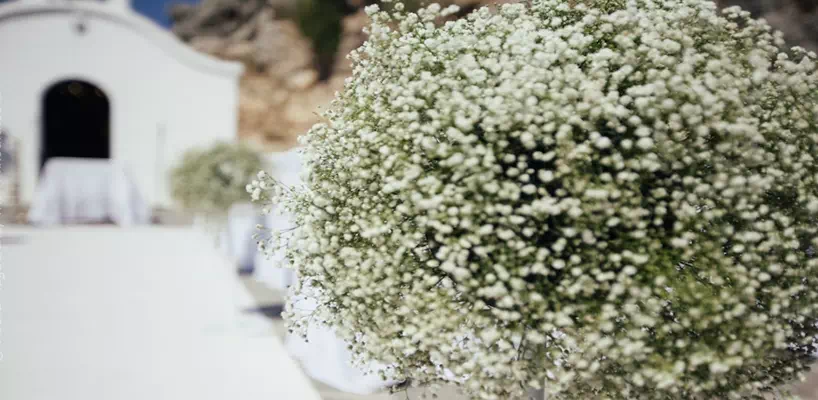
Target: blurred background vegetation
x,y
321,22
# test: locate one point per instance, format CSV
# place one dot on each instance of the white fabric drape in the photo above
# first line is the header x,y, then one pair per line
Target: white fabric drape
x,y
242,220
286,168
76,191
325,357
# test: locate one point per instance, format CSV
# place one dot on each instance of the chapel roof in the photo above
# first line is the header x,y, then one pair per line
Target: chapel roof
x,y
120,12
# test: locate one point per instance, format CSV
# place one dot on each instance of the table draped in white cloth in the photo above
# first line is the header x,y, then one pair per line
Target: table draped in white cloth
x,y
325,357
242,222
77,190
237,239
286,168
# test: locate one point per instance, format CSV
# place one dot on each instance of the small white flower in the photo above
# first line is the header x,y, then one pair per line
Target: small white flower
x,y
552,193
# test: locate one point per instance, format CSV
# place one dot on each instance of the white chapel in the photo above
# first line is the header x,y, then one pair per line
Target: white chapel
x,y
94,79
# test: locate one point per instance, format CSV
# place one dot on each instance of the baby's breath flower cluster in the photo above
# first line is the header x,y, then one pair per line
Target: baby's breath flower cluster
x,y
608,199
212,179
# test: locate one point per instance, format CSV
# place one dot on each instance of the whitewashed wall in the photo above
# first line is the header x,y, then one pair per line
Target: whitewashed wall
x,y
154,83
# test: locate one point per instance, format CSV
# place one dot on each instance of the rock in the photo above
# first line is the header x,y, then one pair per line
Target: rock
x,y
239,51
213,17
353,37
302,79
208,44
181,11
280,95
797,19
282,50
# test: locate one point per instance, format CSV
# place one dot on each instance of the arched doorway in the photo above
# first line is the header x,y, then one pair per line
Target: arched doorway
x,y
76,121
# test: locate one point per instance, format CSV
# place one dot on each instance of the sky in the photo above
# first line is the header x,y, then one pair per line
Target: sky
x,y
157,9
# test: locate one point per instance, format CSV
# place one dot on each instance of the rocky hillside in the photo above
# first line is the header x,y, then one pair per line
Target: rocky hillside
x,y
279,91
284,85
798,19
288,79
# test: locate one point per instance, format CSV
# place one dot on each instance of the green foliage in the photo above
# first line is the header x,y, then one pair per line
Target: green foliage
x,y
320,21
211,180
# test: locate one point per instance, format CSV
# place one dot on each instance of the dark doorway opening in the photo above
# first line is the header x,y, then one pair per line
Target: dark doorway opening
x,y
76,122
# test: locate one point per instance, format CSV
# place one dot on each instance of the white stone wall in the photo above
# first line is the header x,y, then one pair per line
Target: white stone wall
x,y
164,97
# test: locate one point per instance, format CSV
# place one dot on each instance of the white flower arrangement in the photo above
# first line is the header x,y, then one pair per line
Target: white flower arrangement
x,y
210,180
610,199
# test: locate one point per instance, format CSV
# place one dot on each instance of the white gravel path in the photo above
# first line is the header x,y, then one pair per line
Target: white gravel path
x,y
103,313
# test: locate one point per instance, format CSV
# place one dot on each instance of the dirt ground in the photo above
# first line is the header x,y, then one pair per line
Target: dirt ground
x,y
808,390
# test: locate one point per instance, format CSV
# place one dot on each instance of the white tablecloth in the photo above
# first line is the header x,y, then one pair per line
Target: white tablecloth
x,y
286,168
242,220
325,357
76,190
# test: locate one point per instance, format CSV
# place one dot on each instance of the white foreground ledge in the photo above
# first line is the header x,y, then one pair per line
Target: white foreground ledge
x,y
101,313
